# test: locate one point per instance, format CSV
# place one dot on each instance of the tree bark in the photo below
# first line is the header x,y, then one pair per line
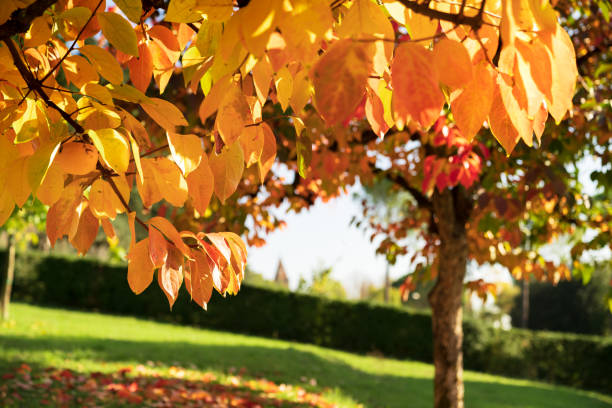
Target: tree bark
x,y
8,272
451,213
525,303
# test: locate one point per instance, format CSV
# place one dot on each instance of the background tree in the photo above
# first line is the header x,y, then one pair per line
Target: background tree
x,y
22,228
82,124
322,284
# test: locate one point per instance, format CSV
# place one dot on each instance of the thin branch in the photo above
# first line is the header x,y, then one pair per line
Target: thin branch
x,y
34,85
20,20
423,8
93,13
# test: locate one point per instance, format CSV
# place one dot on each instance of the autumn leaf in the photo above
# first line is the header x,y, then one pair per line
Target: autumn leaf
x,y
140,267
414,79
339,79
227,168
118,32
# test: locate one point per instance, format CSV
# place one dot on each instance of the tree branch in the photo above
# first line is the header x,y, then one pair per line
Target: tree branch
x,y
20,20
419,197
36,86
423,8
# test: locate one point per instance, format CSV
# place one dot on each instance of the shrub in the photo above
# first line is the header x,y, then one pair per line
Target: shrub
x,y
81,283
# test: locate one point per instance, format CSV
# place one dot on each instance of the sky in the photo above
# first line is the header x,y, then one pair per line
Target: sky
x,y
320,238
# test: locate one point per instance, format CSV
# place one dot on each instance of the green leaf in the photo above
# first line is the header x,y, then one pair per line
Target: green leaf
x,y
304,154
131,8
119,32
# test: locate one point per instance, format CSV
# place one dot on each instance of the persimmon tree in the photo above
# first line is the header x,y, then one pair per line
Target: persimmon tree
x,y
190,102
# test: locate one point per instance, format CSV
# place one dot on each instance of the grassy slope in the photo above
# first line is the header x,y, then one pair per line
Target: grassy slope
x,y
92,342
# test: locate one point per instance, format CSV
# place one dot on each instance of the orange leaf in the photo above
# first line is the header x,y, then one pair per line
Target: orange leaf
x,y
564,72
414,80
233,114
140,268
77,158
471,107
167,41
170,276
252,142
158,247
86,232
141,68
62,217
201,185
227,168
453,63
339,79
165,114
170,232
198,278
268,154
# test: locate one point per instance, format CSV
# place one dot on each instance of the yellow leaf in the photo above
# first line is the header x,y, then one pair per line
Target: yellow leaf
x,y
472,106
7,205
339,79
39,163
17,182
97,91
211,102
167,182
414,79
182,11
208,37
201,185
262,76
215,10
165,114
52,186
420,27
234,113
103,200
39,31
104,63
186,151
136,156
79,71
227,168
366,20
257,20
453,63
284,87
131,8
118,32
113,148
140,268
302,91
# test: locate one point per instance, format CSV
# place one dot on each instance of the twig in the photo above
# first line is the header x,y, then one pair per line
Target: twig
x,y
34,85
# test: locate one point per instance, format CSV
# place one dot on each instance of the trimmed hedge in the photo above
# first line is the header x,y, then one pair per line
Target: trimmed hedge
x,y
81,283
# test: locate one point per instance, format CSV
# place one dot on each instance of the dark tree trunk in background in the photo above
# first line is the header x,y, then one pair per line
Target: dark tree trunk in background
x,y
451,209
8,272
525,303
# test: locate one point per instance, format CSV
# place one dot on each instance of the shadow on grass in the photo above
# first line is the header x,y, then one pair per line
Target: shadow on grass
x,y
293,366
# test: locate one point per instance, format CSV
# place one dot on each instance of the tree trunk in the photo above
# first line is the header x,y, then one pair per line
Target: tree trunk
x,y
451,214
525,303
8,272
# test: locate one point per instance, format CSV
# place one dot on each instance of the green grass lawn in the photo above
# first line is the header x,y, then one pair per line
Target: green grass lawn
x,y
86,342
